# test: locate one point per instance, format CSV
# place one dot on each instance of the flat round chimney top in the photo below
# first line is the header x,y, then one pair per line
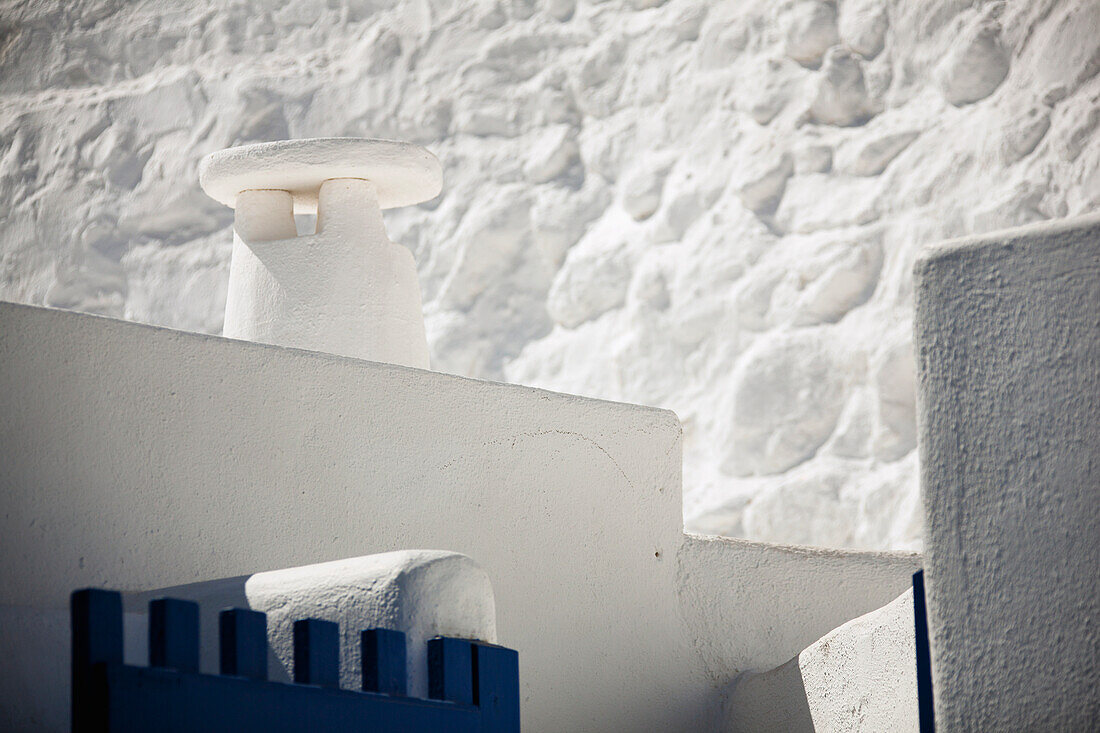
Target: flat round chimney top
x,y
403,173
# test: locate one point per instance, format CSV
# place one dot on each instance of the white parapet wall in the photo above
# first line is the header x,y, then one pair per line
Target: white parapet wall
x,y
752,605
1008,337
138,458
422,593
859,678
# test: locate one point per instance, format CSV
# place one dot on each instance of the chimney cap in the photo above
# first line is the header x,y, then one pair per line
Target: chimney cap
x,y
403,173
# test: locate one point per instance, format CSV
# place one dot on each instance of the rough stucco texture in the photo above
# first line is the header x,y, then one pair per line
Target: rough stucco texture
x,y
860,677
711,207
1008,331
753,605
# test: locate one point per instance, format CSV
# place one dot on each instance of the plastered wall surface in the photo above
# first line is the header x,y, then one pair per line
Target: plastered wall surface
x,y
750,603
679,203
860,676
423,593
1008,335
138,457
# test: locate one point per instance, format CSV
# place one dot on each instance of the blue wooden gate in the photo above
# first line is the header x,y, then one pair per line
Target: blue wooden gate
x,y
473,686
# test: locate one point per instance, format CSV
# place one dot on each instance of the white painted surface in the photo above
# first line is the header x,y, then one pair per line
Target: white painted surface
x,y
605,229
422,593
140,458
863,676
34,689
752,606
1008,335
345,289
860,676
403,173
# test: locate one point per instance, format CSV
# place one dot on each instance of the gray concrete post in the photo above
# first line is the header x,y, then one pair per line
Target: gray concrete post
x,y
1008,340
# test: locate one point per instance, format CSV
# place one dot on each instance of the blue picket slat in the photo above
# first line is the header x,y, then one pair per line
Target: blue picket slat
x,y
317,652
450,670
496,687
243,639
384,661
174,634
96,617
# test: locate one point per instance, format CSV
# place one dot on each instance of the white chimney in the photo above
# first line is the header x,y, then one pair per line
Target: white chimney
x,y
347,289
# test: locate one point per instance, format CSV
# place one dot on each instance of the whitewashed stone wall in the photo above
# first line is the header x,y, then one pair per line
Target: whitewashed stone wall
x,y
709,207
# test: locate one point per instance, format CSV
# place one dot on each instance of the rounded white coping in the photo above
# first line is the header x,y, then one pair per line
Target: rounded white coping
x,y
423,593
403,173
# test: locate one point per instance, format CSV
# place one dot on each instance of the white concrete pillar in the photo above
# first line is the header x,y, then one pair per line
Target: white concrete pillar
x,y
1008,337
346,289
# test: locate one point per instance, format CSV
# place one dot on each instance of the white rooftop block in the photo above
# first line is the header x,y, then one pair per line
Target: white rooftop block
x,y
1008,339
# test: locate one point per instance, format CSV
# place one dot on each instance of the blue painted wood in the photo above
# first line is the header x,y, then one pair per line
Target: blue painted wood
x,y
496,687
925,711
111,697
317,652
174,634
96,617
243,638
450,670
384,661
144,700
